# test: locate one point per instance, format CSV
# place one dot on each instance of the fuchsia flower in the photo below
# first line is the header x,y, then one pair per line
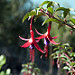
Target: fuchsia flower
x,y
31,43
47,38
47,35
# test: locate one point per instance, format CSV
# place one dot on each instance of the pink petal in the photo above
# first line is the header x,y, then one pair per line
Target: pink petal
x,y
37,46
38,32
52,41
23,38
26,44
41,37
54,37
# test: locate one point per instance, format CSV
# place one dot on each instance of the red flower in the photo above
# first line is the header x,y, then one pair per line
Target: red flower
x,y
47,39
47,35
31,42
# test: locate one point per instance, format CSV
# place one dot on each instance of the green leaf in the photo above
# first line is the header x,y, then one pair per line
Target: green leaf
x,y
56,3
2,73
36,69
2,60
37,16
66,11
8,71
60,8
33,12
33,73
49,3
72,20
50,19
45,2
73,63
66,68
66,44
24,70
72,54
57,48
50,10
52,3
37,9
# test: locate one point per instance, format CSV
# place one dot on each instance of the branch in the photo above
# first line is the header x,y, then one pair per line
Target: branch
x,y
50,16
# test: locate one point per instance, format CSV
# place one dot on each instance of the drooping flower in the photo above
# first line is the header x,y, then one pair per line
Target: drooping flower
x,y
47,35
47,39
31,43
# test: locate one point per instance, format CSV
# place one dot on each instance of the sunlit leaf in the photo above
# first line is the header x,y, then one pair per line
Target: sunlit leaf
x,y
72,20
45,2
66,44
73,63
8,71
50,10
72,54
65,11
33,12
39,14
51,19
36,69
52,3
2,60
24,70
66,68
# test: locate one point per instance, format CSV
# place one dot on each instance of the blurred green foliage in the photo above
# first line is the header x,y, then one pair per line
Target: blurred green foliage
x,y
2,62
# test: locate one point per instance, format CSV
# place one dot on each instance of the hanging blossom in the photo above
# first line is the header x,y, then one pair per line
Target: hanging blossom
x,y
31,43
47,39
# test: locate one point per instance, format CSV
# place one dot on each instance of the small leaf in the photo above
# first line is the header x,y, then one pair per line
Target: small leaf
x,y
8,71
33,12
72,54
60,8
56,48
50,10
72,20
37,16
2,60
37,9
66,11
33,73
66,68
73,63
52,3
36,69
24,70
66,44
50,19
45,2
